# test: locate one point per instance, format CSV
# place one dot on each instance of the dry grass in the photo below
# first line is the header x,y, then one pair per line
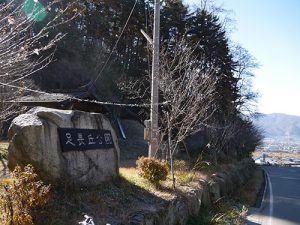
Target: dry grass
x,y
4,172
112,202
107,203
21,195
185,179
3,149
224,212
163,191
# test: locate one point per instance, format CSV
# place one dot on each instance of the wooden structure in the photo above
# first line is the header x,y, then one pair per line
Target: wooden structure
x,y
86,98
74,100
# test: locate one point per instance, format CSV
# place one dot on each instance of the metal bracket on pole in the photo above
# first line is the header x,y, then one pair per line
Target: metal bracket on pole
x,y
147,133
149,39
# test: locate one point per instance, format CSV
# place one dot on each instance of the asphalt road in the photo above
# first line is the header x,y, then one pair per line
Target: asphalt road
x,y
281,205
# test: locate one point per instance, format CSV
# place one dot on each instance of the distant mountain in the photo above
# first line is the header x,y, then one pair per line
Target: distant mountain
x,y
279,125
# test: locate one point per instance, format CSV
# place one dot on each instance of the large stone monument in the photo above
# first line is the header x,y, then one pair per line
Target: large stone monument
x,y
65,145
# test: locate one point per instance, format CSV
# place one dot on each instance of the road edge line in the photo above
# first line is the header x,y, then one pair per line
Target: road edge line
x,y
271,206
263,200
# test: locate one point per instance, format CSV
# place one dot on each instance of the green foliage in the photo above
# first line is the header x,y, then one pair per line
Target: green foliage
x,y
90,41
228,212
152,170
200,163
183,173
21,195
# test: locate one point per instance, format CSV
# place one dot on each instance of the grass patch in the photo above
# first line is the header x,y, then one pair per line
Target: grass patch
x,y
223,212
3,150
132,177
184,177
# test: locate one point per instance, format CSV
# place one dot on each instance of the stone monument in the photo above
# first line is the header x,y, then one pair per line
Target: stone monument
x,y
65,145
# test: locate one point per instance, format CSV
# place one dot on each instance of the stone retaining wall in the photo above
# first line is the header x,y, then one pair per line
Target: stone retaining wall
x,y
178,210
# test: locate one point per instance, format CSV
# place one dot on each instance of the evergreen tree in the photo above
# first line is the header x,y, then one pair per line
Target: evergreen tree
x,y
173,22
205,29
90,41
89,51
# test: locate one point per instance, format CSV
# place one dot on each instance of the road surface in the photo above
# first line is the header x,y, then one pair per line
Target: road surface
x,y
281,205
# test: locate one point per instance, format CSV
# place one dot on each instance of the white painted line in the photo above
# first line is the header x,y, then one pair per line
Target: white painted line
x,y
271,206
262,204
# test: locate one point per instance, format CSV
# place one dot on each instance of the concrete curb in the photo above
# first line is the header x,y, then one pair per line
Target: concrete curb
x,y
254,217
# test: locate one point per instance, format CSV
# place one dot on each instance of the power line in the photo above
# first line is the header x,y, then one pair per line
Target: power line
x,y
79,99
115,46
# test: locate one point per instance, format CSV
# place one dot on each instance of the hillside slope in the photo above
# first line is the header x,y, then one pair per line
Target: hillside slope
x,y
279,125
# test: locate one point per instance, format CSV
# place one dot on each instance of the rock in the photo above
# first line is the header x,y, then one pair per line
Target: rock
x,y
34,140
194,201
137,219
215,193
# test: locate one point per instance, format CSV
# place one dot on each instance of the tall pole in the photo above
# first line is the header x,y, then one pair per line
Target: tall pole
x,y
153,145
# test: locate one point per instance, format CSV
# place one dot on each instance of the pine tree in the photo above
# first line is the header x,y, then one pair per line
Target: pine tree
x,y
206,30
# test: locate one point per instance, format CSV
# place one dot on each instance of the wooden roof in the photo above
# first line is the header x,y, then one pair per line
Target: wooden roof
x,y
88,91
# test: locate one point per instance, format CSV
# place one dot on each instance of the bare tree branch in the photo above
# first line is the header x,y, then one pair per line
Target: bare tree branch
x,y
24,51
189,91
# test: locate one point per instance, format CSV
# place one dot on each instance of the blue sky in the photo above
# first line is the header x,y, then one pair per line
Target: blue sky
x,y
270,31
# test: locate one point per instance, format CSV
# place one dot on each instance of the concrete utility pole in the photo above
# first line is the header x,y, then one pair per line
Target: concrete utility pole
x,y
153,145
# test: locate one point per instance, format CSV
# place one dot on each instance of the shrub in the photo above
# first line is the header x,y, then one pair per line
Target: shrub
x,y
181,165
21,195
152,170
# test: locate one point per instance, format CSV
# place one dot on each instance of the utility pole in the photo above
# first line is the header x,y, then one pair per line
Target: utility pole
x,y
153,145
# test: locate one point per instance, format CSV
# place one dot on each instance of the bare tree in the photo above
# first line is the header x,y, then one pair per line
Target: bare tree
x,y
236,138
24,50
189,93
245,65
220,136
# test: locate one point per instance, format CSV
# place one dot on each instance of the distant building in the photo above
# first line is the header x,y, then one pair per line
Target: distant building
x,y
264,159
